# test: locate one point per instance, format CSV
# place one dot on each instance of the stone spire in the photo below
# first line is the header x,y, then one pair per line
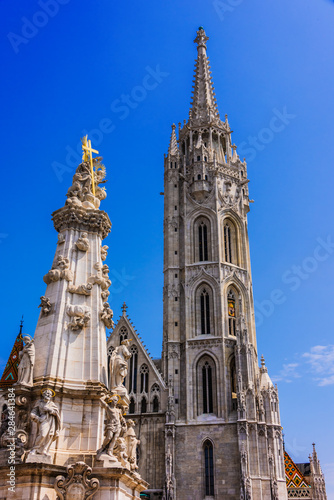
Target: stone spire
x,y
173,147
204,108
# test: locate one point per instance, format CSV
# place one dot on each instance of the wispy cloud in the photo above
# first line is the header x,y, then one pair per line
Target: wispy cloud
x,y
288,373
321,362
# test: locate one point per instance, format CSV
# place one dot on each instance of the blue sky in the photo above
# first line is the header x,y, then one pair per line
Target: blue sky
x,y
68,72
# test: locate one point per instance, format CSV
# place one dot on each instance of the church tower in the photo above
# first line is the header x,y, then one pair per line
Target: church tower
x,y
225,430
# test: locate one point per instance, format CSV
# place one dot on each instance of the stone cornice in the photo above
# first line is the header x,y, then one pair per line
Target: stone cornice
x,y
87,219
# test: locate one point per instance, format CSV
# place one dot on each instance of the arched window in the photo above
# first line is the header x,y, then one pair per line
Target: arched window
x,y
133,370
205,312
206,386
232,312
230,243
123,334
132,405
155,404
143,406
144,379
208,468
203,241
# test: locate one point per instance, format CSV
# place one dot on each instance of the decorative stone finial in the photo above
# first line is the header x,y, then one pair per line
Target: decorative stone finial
x,y
201,38
124,308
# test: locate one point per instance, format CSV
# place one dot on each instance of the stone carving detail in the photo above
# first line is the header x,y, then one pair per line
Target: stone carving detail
x,y
112,428
76,486
82,243
120,452
80,316
76,218
104,252
26,366
131,442
173,351
80,194
60,270
101,277
45,305
81,289
46,415
105,294
61,238
106,316
119,367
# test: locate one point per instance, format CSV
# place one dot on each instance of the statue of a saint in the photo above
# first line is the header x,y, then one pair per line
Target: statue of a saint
x,y
26,366
47,417
112,428
119,365
131,442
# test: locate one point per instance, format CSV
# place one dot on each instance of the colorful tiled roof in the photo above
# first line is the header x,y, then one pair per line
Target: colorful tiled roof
x,y
9,376
294,478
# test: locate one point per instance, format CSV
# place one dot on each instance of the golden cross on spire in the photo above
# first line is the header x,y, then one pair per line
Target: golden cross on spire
x,y
87,156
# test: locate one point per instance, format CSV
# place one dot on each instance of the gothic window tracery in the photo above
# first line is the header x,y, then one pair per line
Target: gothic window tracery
x,y
230,243
123,334
206,386
208,468
202,240
204,310
144,372
133,370
155,404
143,405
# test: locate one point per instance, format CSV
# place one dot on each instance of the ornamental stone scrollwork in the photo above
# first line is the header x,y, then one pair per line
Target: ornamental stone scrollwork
x,y
26,366
171,291
101,277
106,316
76,486
60,270
82,243
80,316
172,175
104,295
45,305
78,218
104,252
47,417
80,289
193,344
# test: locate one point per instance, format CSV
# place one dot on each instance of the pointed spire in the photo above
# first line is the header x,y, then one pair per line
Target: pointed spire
x,y
124,308
204,106
173,147
21,325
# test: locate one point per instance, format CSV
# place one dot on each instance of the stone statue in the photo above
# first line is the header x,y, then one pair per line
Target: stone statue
x,y
120,451
101,277
119,366
80,316
104,252
47,417
81,289
112,428
131,442
83,242
60,270
106,316
26,366
45,305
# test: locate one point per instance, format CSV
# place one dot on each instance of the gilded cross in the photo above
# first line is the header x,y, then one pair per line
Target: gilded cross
x,y
87,155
